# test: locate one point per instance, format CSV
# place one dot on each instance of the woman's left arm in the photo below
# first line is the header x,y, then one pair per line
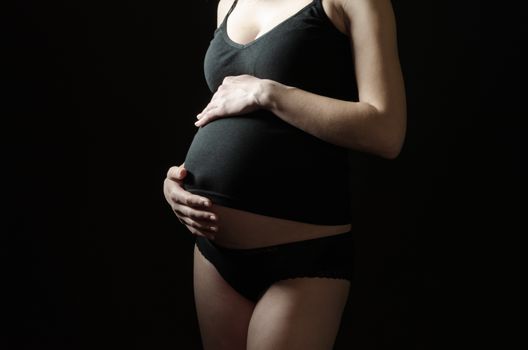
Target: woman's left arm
x,y
376,124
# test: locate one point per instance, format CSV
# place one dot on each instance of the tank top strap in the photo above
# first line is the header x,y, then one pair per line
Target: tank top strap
x,y
319,5
225,17
230,9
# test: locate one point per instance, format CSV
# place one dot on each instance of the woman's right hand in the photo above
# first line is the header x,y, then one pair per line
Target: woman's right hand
x,y
188,207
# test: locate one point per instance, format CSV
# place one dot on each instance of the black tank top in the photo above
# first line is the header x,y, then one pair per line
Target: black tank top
x,y
256,161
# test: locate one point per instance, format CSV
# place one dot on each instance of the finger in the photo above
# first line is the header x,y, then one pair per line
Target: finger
x,y
198,227
208,117
210,106
177,194
176,173
195,214
180,196
198,232
201,226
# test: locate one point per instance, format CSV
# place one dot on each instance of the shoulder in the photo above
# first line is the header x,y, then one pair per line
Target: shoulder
x,y
358,9
345,13
358,4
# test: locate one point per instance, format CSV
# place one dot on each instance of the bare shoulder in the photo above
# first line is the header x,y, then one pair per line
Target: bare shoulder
x,y
345,13
358,10
370,22
223,7
358,4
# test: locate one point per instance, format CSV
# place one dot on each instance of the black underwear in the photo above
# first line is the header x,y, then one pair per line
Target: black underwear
x,y
251,271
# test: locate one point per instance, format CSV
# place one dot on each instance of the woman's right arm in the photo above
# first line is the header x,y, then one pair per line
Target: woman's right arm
x,y
188,207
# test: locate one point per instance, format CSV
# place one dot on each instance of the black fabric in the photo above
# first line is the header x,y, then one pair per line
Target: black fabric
x,y
251,271
256,161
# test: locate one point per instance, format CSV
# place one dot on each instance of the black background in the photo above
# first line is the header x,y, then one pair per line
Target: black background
x,y
99,100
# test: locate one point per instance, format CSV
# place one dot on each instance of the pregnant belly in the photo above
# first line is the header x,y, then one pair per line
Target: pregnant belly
x,y
229,155
260,174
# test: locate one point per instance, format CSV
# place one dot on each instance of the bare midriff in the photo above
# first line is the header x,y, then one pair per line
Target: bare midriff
x,y
243,229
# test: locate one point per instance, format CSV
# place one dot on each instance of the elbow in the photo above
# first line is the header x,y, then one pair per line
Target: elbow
x,y
385,134
391,151
392,139
386,146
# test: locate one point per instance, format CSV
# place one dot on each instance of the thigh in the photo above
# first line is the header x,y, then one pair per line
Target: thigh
x,y
223,314
299,313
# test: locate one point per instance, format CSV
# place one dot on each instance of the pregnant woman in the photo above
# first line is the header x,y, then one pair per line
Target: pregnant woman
x,y
297,87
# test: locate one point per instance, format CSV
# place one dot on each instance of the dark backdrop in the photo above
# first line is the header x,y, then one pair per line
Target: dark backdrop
x,y
99,100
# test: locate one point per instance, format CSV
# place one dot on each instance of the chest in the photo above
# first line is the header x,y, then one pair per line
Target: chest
x,y
305,50
251,19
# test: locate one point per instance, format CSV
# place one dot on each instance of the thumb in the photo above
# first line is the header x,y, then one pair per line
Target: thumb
x,y
182,171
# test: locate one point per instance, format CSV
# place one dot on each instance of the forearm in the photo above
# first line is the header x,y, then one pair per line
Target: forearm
x,y
354,125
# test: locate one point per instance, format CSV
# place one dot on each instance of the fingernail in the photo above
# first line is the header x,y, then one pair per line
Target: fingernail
x,y
196,123
212,217
214,228
206,203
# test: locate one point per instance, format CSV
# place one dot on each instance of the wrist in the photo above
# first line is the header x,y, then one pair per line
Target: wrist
x,y
267,92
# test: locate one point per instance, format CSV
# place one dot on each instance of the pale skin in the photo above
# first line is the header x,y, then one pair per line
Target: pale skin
x,y
302,313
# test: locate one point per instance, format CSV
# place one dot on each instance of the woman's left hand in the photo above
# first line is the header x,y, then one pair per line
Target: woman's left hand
x,y
236,95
